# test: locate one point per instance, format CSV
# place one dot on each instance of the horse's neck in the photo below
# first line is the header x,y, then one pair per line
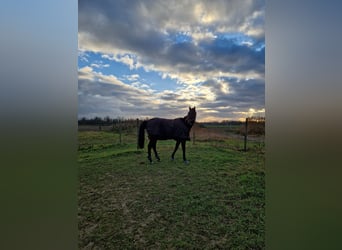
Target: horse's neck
x,y
185,122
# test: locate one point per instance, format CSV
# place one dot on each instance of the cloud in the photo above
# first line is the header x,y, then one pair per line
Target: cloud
x,y
129,59
210,48
132,77
144,28
99,65
107,95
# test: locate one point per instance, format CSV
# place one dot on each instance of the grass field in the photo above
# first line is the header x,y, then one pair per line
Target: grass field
x,y
216,201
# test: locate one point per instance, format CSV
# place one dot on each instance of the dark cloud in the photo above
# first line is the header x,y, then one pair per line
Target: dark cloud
x,y
243,94
119,24
182,53
139,27
170,96
226,55
185,40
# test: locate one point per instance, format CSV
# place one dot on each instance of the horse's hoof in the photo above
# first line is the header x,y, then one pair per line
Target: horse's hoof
x,y
186,162
172,159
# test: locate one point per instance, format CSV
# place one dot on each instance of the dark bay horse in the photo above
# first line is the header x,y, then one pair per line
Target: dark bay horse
x,y
164,129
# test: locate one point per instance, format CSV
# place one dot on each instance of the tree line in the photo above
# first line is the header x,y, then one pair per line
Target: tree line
x,y
105,121
256,125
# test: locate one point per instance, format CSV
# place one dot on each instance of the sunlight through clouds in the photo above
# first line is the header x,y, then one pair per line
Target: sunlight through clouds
x,y
164,55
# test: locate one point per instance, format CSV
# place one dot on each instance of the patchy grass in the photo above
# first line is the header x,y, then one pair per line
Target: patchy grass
x,y
216,201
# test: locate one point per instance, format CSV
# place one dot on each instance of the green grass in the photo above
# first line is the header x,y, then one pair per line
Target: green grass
x,y
216,201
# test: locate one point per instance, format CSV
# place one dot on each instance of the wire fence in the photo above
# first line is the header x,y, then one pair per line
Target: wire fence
x,y
238,135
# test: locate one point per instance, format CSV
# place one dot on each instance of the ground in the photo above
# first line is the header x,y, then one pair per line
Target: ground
x,y
216,201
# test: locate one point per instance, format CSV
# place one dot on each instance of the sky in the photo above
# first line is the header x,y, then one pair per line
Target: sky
x,y
155,58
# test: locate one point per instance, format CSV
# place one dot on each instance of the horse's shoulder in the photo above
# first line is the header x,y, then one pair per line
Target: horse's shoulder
x,y
180,120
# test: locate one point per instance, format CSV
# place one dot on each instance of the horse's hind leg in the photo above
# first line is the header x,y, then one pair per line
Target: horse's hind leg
x,y
154,146
149,151
174,151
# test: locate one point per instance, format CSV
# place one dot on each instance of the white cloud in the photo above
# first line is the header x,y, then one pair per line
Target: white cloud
x,y
180,40
251,112
132,77
99,65
82,55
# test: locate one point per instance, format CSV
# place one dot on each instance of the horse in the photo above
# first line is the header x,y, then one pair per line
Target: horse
x,y
164,129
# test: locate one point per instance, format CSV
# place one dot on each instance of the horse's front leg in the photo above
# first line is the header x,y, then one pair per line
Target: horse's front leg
x,y
183,148
174,151
154,146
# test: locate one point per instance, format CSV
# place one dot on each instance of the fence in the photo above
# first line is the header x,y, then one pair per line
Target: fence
x,y
253,126
239,134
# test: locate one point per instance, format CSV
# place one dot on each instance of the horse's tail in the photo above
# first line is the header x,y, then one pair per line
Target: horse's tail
x,y
141,136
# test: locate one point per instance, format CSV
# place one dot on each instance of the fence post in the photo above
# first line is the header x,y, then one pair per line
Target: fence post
x,y
137,133
119,123
246,131
193,137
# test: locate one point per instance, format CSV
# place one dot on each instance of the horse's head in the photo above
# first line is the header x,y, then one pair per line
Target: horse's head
x,y
191,117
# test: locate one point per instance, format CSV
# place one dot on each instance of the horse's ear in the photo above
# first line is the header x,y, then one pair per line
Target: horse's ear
x,y
189,108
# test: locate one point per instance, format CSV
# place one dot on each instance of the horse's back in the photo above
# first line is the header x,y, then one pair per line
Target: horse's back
x,y
164,129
